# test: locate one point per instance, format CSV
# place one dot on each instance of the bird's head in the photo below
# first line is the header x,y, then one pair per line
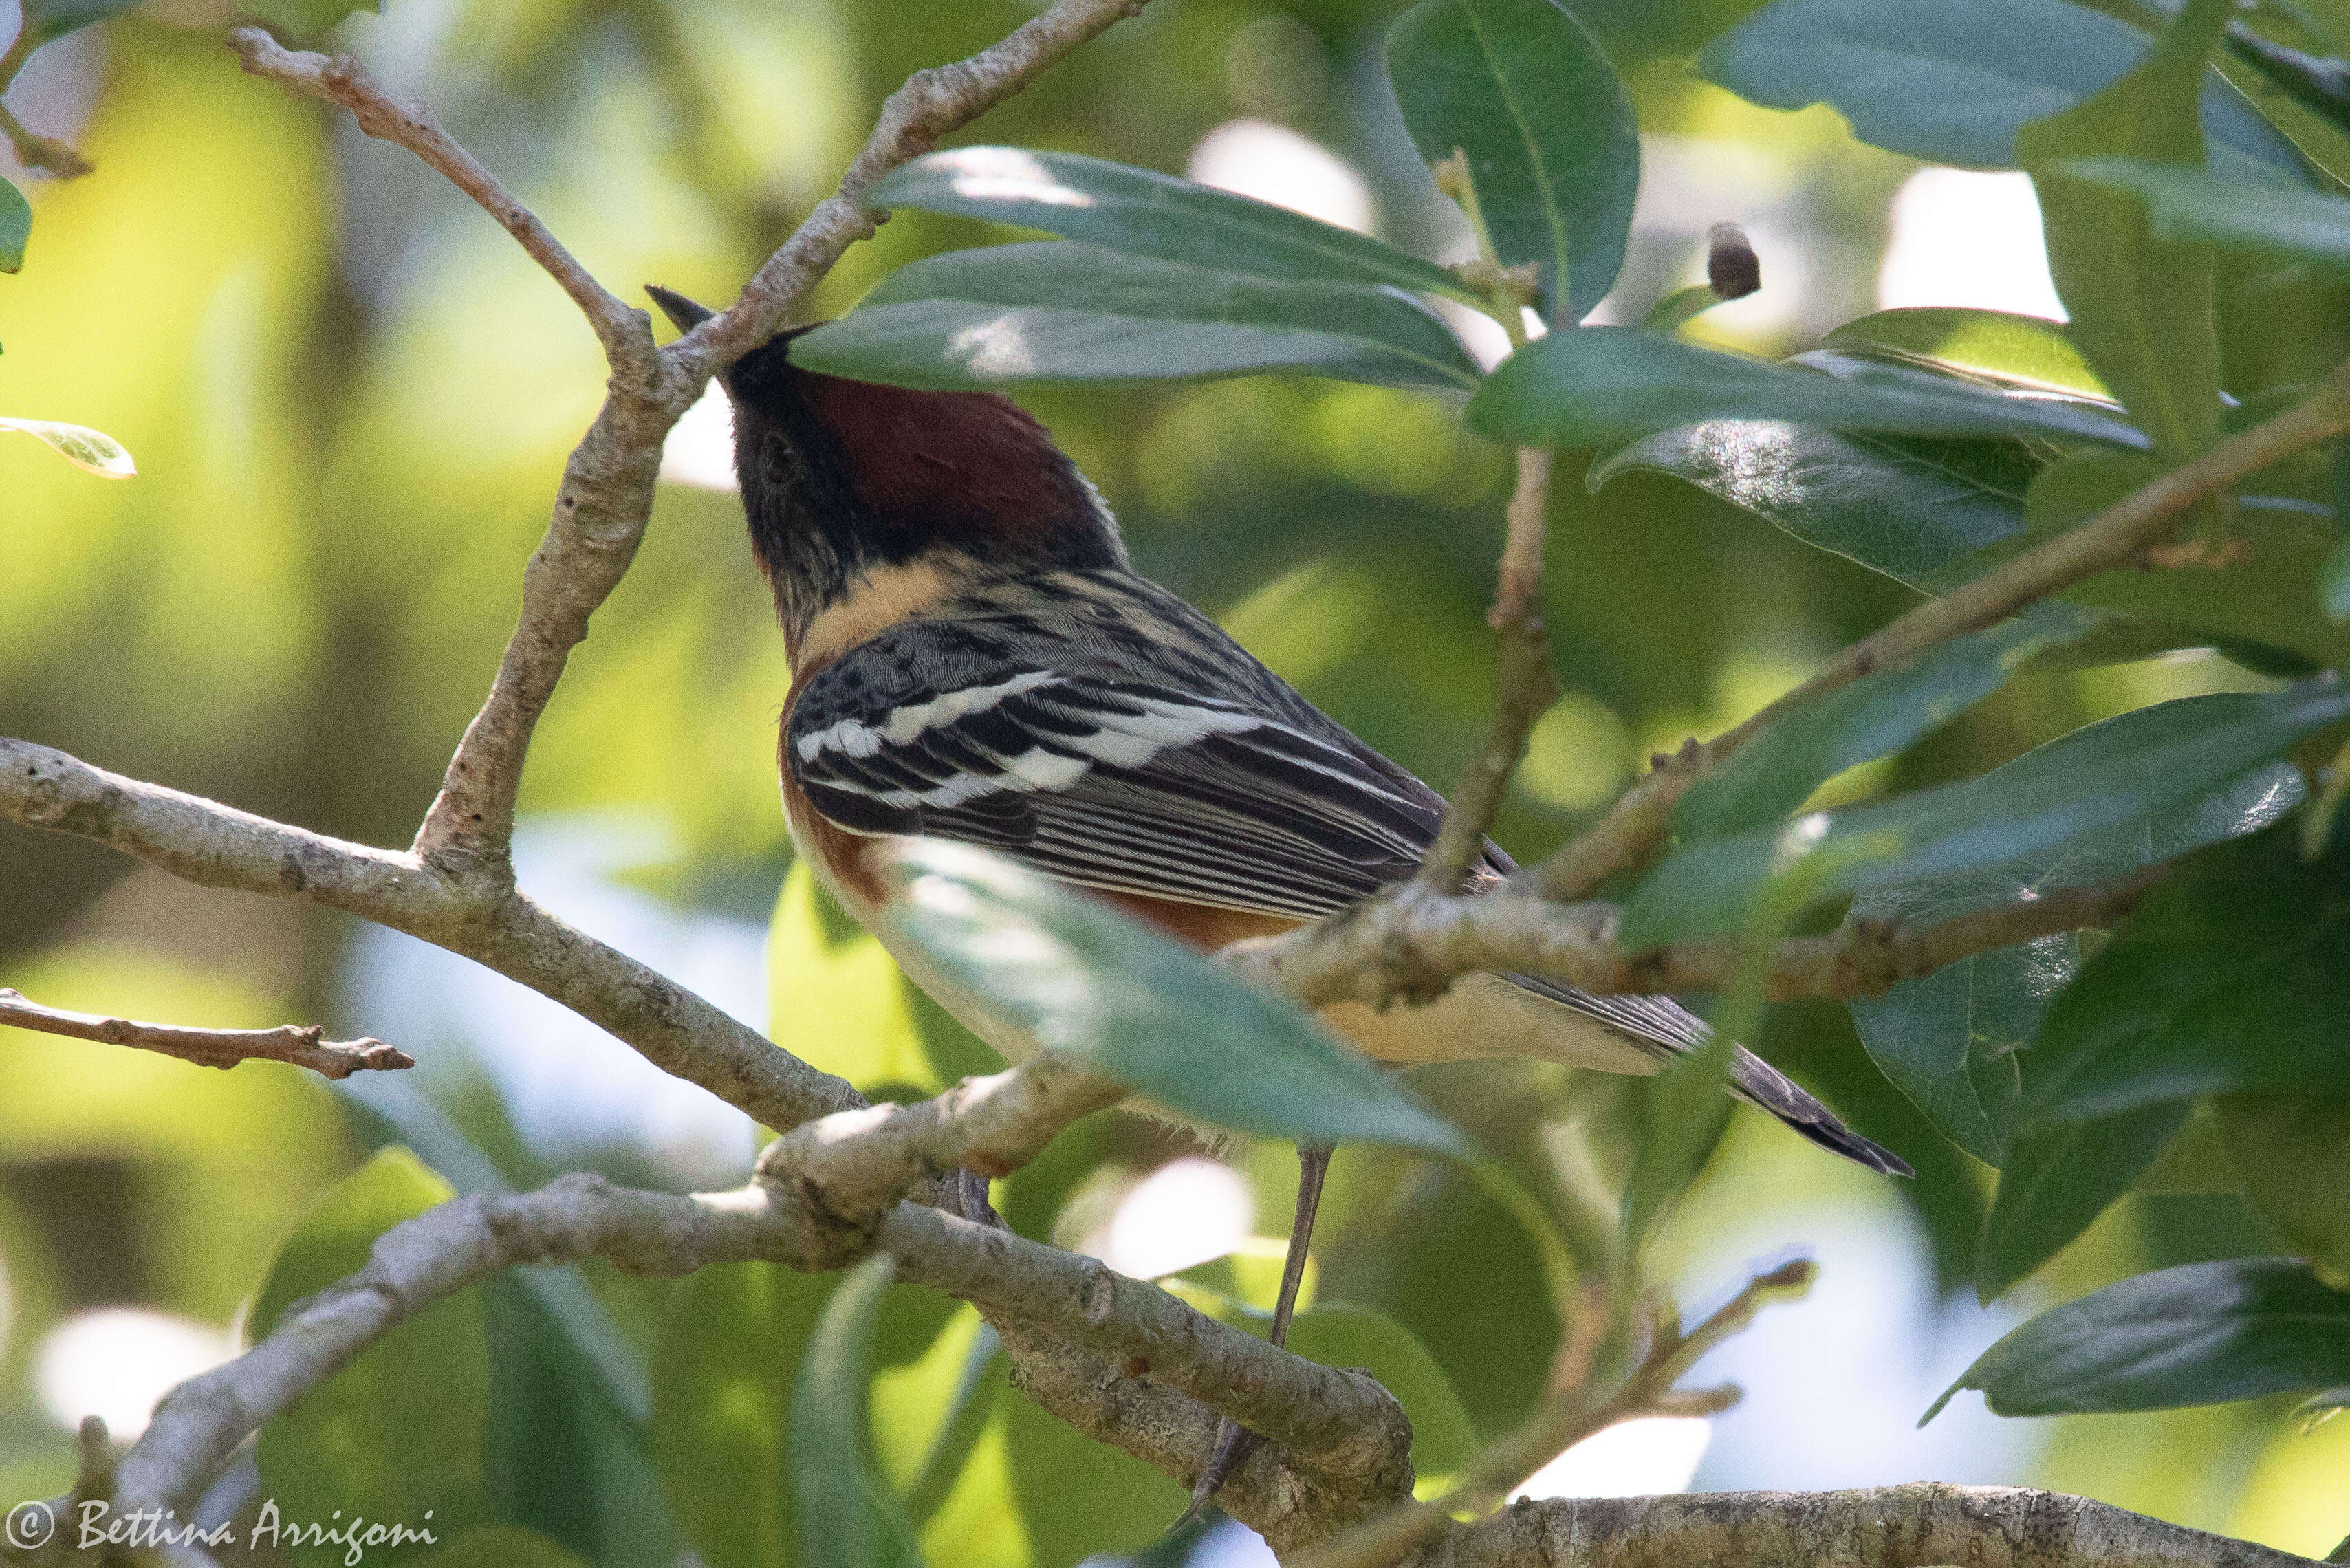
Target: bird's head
x,y
842,478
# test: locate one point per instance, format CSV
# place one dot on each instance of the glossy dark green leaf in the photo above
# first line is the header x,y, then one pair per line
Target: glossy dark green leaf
x,y
2058,1178
16,226
849,1517
1951,1041
2094,779
2292,1156
2235,978
1118,207
2188,202
1054,310
1070,972
2018,350
2199,1334
1904,505
1951,81
1873,717
2141,310
399,1432
1609,383
1522,88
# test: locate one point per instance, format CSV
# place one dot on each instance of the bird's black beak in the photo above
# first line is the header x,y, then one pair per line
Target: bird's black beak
x,y
686,313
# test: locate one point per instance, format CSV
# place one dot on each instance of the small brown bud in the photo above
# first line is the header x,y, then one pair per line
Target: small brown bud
x,y
1730,264
1138,1366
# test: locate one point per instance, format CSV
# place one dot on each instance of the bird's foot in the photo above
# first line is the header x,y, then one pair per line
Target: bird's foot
x,y
1233,1444
969,1192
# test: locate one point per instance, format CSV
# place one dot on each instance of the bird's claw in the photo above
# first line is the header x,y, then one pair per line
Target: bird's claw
x,y
1233,1444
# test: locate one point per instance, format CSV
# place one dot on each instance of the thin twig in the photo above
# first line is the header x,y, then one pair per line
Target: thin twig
x,y
1642,818
1526,687
931,104
625,334
1565,1419
295,1045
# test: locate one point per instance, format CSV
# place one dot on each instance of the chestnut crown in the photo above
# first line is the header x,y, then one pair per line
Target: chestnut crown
x,y
841,477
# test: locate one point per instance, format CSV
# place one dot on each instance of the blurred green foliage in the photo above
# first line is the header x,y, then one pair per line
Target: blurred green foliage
x,y
349,396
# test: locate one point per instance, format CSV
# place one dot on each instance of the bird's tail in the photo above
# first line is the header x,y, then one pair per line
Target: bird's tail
x,y
1761,1084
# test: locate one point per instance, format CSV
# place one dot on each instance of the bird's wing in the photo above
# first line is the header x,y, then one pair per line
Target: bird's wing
x,y
1079,737
1096,767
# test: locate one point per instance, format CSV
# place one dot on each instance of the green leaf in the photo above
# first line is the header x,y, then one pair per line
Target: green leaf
x,y
1607,383
399,1433
16,226
1054,310
52,19
399,1112
1682,306
1951,81
1118,207
2235,978
2021,351
849,1517
849,1009
306,19
562,1459
2141,311
2198,1335
2292,1156
1071,973
1907,506
2056,796
729,1343
2187,203
2333,583
1950,1040
1873,717
1522,88
2057,1179
84,448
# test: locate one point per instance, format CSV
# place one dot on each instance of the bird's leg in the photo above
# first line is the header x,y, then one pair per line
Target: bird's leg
x,y
1232,1439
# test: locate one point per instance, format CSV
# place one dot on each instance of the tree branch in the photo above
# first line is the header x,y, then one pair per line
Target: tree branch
x,y
625,334
854,1164
220,847
1413,948
1525,685
1337,1422
2122,534
1915,1526
298,1045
